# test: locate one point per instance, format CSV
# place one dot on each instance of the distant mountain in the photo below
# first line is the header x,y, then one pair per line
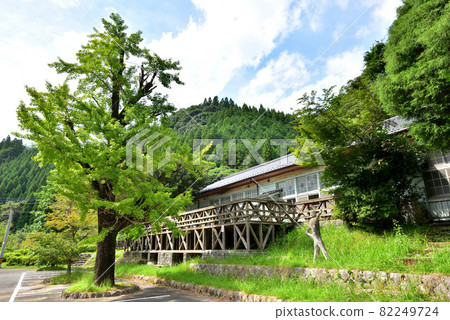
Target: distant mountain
x,y
20,177
224,119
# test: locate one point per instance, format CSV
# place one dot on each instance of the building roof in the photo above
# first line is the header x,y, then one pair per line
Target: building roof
x,y
276,164
393,125
397,124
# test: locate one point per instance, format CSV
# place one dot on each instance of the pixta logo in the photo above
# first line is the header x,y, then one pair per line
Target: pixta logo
x,y
308,152
145,145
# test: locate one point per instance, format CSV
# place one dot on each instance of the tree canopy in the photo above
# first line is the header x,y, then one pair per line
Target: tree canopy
x,y
223,119
416,85
371,172
84,133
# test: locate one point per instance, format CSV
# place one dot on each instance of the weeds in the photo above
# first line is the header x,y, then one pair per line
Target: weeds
x,y
353,249
289,289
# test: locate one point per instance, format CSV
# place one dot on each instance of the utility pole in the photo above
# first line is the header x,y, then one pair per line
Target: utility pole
x,y
20,238
5,238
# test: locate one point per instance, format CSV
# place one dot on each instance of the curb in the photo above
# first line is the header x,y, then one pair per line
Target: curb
x,y
228,295
105,294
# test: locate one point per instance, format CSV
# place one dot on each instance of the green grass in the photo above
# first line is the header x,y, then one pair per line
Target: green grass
x,y
85,283
67,278
291,289
6,266
355,249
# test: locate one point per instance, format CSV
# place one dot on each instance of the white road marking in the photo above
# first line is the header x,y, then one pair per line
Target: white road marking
x,y
16,290
154,297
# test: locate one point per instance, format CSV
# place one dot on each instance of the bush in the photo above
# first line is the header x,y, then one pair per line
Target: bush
x,y
88,248
375,179
21,257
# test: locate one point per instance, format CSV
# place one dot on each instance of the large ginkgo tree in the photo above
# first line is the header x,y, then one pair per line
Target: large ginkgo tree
x,y
85,133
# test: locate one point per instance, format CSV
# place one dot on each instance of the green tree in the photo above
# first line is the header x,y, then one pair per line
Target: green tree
x,y
65,217
417,82
53,248
85,133
69,227
370,172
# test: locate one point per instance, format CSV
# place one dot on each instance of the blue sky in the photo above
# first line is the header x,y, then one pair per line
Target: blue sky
x,y
252,51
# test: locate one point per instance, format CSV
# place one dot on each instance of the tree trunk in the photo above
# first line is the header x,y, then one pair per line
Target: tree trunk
x,y
314,225
106,249
69,267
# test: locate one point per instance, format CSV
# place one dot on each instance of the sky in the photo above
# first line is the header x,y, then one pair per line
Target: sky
x,y
267,52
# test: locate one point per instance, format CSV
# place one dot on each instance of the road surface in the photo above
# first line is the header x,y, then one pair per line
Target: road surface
x,y
26,285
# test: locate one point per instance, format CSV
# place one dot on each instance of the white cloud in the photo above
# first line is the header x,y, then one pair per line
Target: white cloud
x,y
316,14
381,17
386,12
271,82
336,71
232,35
64,3
26,64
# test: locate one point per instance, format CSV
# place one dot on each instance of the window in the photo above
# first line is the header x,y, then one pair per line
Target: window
x,y
307,183
437,182
312,182
238,196
251,193
214,202
287,186
301,185
439,158
225,199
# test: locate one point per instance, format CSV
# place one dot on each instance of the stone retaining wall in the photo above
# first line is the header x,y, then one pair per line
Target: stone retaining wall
x,y
434,284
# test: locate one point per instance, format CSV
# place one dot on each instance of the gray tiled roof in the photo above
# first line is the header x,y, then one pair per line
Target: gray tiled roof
x,y
393,125
396,124
279,163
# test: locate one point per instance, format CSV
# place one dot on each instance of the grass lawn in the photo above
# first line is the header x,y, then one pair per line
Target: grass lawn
x,y
291,289
6,266
84,282
413,250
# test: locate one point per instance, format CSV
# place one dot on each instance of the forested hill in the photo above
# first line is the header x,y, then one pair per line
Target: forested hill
x,y
20,177
224,119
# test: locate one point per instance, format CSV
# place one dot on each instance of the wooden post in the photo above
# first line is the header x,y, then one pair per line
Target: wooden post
x,y
222,228
261,246
204,238
247,235
234,237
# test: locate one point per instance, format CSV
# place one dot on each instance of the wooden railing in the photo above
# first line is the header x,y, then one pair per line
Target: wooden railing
x,y
254,210
237,212
206,227
306,209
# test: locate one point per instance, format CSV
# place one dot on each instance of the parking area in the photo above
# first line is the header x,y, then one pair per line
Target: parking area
x,y
27,285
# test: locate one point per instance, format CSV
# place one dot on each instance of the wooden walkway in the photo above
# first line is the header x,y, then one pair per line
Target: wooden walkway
x,y
244,225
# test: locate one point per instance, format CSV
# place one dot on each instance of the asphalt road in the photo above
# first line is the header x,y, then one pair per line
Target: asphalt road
x,y
26,285
8,282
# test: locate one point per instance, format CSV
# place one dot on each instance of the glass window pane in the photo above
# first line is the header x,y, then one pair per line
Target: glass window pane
x,y
288,187
312,182
301,185
437,183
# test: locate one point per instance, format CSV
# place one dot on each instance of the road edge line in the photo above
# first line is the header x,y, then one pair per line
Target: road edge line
x,y
16,290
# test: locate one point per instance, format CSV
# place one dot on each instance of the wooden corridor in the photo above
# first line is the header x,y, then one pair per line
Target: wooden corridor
x,y
244,225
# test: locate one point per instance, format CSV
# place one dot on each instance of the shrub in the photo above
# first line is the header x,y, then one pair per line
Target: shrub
x,y
375,179
21,257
